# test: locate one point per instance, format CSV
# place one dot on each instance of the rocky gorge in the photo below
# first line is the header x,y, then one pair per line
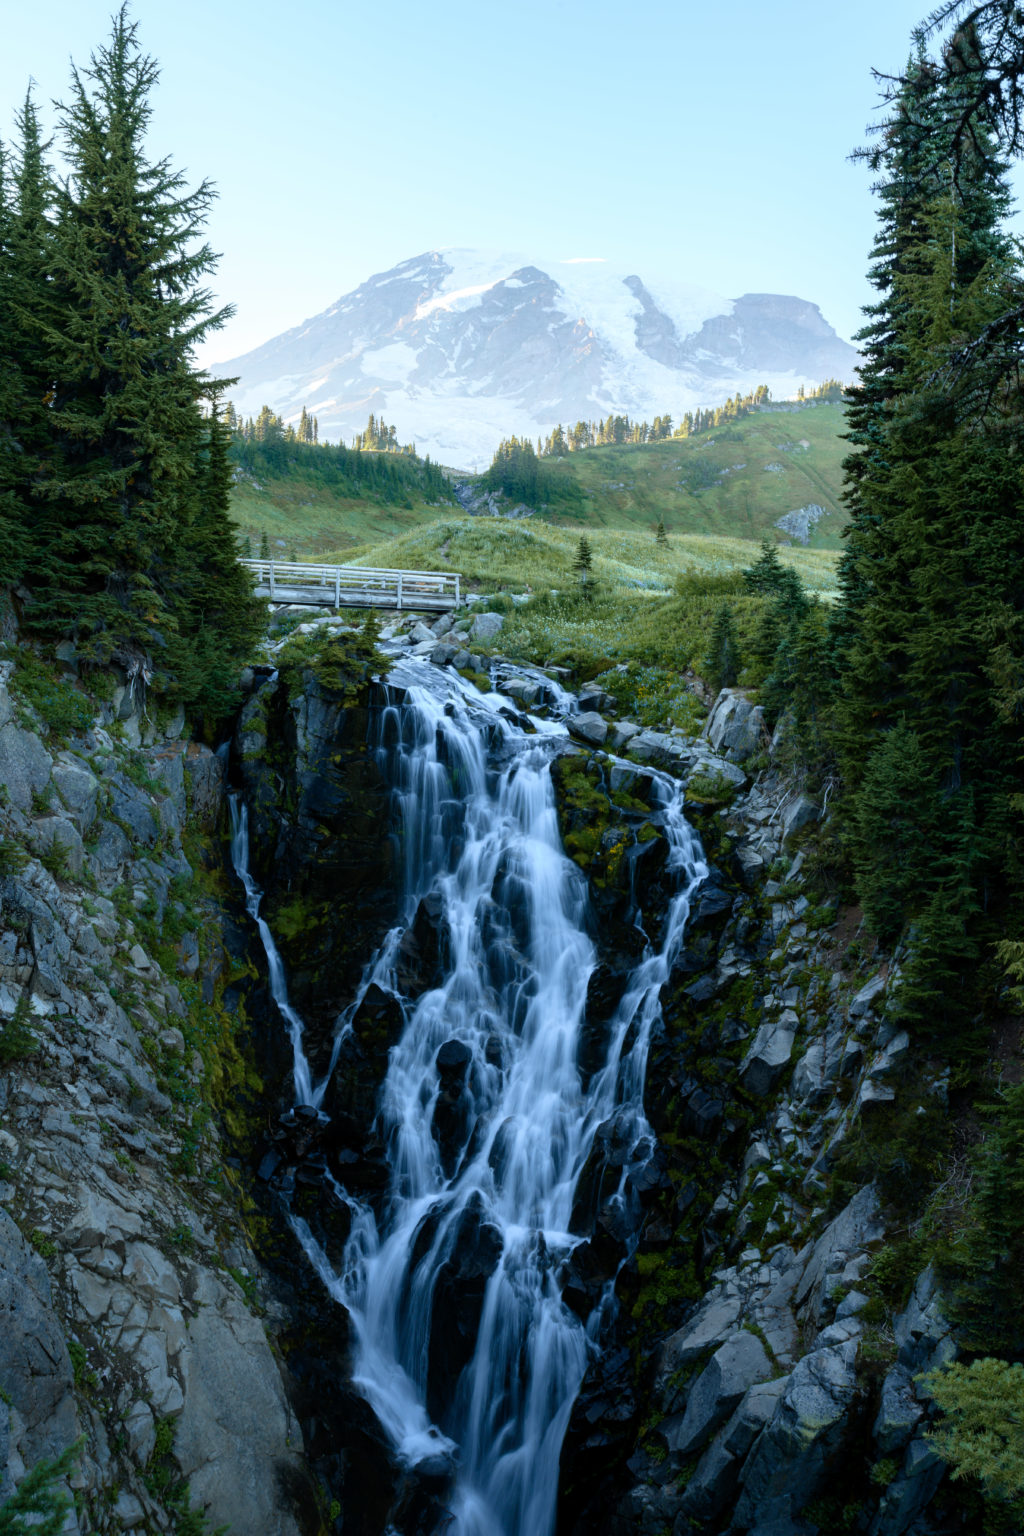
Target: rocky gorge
x,y
177,1233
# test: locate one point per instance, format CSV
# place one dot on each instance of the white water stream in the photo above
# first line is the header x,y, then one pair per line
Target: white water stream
x,y
478,829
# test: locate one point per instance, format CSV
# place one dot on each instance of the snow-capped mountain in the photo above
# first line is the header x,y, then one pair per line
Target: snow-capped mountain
x,y
460,348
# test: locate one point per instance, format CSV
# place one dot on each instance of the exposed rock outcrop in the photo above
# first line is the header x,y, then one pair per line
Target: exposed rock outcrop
x,y
130,1297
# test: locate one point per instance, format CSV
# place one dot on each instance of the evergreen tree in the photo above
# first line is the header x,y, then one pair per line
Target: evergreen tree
x,y
769,577
264,545
660,536
583,567
27,307
934,566
118,499
220,618
722,661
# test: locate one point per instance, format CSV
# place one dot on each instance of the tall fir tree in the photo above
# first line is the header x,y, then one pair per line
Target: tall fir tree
x,y
29,305
935,549
119,518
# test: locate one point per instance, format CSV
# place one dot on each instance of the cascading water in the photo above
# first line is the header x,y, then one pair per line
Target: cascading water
x,y
497,1173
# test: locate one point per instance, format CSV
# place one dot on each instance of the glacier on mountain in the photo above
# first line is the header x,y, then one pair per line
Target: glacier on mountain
x,y
459,348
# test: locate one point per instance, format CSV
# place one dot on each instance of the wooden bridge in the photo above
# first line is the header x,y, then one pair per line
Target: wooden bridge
x,y
353,586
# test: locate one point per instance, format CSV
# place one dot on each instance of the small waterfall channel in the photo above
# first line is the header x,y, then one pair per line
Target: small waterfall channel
x,y
483,1108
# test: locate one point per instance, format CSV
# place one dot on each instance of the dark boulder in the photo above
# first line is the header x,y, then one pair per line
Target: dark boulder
x,y
453,1106
420,949
363,1058
474,1251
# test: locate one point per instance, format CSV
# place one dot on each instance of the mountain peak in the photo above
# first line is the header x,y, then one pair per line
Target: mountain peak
x,y
460,347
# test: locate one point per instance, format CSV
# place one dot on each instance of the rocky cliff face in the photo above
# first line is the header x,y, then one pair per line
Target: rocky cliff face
x,y
132,1310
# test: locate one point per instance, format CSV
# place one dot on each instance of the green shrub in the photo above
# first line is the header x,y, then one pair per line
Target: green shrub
x,y
59,705
709,788
17,1039
55,858
39,1507
12,858
981,1434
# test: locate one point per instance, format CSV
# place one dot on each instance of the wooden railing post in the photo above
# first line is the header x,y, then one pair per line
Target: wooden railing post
x,y
271,578
456,591
337,586
399,589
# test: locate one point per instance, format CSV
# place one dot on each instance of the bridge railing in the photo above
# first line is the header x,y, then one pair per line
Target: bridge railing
x,y
349,582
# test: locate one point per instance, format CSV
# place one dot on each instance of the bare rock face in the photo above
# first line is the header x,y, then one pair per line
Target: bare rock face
x,y
237,1440
35,1366
734,726
121,1329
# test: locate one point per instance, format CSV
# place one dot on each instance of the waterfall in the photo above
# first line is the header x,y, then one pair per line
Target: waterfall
x,y
275,968
478,831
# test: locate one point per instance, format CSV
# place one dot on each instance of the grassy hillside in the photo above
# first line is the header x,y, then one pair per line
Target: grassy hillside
x,y
305,508
732,482
735,480
497,554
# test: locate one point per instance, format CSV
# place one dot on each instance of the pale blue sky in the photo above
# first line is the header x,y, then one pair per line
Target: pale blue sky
x,y
707,142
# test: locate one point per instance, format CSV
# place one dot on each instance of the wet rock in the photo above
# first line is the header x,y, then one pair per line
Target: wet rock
x,y
604,990
593,697
452,1107
586,1272
611,1151
474,1251
588,727
420,949
711,902
702,1114
444,652
363,1058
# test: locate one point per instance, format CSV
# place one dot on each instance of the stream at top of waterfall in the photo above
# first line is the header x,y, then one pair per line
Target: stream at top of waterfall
x,y
483,1110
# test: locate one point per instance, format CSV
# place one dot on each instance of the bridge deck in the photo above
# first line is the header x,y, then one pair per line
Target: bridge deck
x,y
353,586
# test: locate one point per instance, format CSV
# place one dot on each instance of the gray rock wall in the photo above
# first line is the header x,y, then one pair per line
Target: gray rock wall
x,y
130,1298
